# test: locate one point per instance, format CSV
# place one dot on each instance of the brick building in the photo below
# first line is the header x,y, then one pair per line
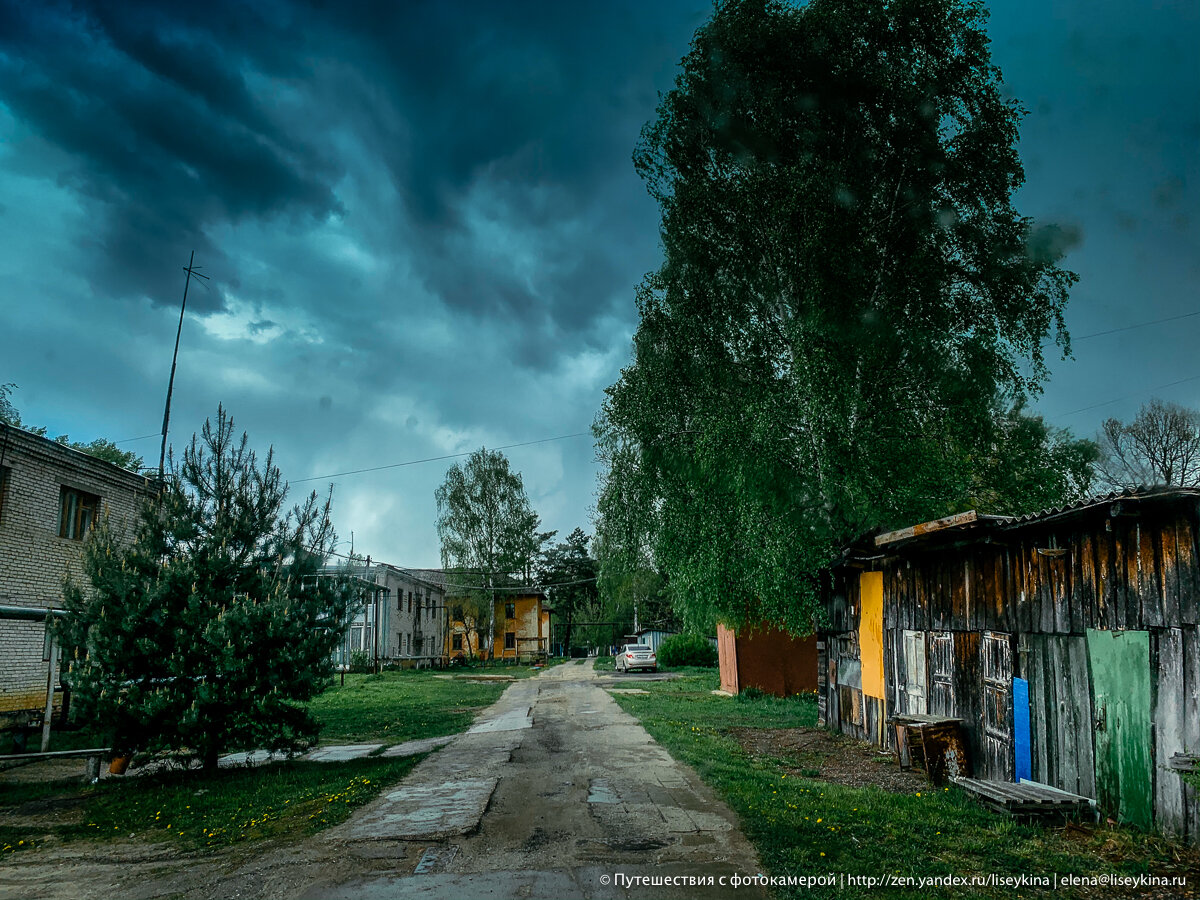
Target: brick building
x,y
50,497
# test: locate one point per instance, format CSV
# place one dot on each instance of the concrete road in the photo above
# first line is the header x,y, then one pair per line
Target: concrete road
x,y
554,792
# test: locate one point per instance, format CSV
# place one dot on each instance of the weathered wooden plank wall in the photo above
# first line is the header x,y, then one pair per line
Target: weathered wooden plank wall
x,y
1060,709
1129,566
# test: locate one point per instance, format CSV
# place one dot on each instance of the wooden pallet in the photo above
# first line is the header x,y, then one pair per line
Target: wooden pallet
x,y
1025,799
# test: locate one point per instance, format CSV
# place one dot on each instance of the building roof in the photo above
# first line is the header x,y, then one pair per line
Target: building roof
x,y
961,524
12,438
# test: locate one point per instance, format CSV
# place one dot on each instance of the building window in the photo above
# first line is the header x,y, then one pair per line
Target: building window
x,y
456,641
510,640
77,514
410,601
407,644
510,610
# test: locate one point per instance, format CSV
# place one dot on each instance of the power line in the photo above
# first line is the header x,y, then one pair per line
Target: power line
x,y
141,438
413,462
1095,334
1141,393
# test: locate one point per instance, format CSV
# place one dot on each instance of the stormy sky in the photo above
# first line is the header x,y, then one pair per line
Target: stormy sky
x,y
423,228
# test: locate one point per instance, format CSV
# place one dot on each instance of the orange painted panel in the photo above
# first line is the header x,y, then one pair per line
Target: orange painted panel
x,y
870,632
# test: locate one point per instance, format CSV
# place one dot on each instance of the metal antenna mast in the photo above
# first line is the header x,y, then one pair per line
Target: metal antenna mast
x,y
191,270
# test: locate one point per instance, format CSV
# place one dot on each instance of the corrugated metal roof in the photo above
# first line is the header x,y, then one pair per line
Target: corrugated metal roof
x,y
971,520
1141,492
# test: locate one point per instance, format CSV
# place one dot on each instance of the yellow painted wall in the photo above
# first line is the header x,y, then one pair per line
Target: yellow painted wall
x,y
870,632
526,623
529,621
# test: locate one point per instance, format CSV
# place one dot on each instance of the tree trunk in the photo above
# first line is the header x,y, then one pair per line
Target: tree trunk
x,y
211,755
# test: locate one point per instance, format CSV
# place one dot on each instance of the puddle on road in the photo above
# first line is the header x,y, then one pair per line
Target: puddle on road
x,y
600,791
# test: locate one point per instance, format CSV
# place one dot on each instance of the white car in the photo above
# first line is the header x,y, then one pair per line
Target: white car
x,y
636,656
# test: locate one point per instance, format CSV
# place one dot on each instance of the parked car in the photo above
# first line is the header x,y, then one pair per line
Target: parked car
x,y
636,656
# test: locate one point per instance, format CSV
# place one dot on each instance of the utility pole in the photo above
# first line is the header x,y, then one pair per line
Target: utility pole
x,y
191,270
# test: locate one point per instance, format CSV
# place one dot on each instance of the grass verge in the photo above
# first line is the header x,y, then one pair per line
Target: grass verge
x,y
804,826
195,810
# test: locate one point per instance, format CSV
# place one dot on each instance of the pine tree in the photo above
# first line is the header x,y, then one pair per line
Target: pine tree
x,y
213,627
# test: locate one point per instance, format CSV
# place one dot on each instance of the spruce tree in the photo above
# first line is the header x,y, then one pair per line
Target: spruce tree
x,y
211,629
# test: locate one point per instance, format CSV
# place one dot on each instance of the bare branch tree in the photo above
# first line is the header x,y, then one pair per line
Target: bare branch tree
x,y
1160,446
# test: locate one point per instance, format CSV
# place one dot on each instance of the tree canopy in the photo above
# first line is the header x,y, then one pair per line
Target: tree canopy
x,y
212,628
569,571
848,309
489,531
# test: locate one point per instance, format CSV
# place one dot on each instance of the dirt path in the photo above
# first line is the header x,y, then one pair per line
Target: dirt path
x,y
554,792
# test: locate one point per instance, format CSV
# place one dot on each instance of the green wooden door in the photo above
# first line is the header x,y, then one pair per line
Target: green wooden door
x,y
1120,662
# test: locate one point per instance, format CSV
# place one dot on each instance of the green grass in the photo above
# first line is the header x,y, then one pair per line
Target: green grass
x,y
604,663
195,810
402,706
803,826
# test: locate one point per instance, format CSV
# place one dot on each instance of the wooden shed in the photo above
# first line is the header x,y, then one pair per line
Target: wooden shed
x,y
1065,641
766,658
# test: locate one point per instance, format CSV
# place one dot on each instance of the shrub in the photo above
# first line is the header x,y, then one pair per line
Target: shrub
x,y
360,661
687,650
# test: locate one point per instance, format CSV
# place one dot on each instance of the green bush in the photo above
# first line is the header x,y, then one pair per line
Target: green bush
x,y
687,650
360,661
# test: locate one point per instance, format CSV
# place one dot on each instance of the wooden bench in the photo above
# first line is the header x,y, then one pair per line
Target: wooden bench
x,y
94,757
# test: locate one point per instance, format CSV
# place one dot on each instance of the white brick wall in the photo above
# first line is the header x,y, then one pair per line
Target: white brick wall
x,y
34,560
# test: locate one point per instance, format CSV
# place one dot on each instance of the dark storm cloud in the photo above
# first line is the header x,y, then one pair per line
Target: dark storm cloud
x,y
178,119
163,138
